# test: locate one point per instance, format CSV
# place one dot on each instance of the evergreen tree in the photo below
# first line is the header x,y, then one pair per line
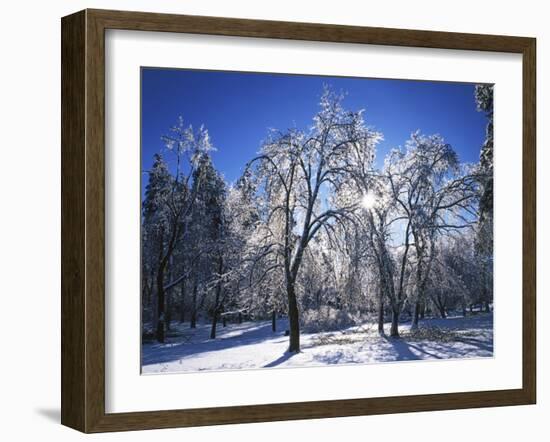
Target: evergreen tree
x,y
484,243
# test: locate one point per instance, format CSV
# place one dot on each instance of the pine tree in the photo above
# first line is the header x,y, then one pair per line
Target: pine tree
x,y
484,243
155,225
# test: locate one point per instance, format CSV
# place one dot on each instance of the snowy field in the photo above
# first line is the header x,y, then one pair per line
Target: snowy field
x,y
253,345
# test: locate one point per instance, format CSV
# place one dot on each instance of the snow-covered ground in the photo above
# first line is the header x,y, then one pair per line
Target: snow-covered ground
x,y
253,345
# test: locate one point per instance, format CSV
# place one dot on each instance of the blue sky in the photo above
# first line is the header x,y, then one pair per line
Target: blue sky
x,y
237,108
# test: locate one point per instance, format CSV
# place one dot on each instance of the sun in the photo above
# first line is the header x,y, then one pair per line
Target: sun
x,y
368,201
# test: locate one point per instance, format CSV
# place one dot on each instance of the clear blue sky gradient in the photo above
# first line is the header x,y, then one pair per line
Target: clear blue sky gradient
x,y
238,108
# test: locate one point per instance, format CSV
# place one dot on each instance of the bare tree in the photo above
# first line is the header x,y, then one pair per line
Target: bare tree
x,y
434,195
297,170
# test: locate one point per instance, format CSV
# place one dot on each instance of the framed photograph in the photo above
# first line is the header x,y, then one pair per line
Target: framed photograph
x,y
266,221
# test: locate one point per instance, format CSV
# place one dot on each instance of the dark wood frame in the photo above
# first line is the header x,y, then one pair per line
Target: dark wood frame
x,y
83,217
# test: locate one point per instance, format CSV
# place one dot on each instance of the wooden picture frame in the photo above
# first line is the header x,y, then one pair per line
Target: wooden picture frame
x,y
83,220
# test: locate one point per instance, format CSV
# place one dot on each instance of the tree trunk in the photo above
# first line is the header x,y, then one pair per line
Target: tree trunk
x,y
224,320
214,324
381,316
293,317
217,306
394,331
160,321
182,303
273,321
163,262
160,306
154,310
423,310
240,318
168,314
194,307
416,316
419,256
487,307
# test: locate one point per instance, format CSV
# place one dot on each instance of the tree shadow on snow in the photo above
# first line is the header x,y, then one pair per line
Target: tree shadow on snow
x,y
437,350
401,348
178,349
482,345
285,357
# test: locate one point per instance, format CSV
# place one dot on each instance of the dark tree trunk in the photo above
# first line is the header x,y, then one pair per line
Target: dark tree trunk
x,y
394,331
194,307
381,316
217,303
416,315
163,262
423,310
224,320
146,291
420,257
160,295
294,320
160,321
214,324
440,304
487,307
240,318
160,306
182,303
396,304
273,321
168,314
